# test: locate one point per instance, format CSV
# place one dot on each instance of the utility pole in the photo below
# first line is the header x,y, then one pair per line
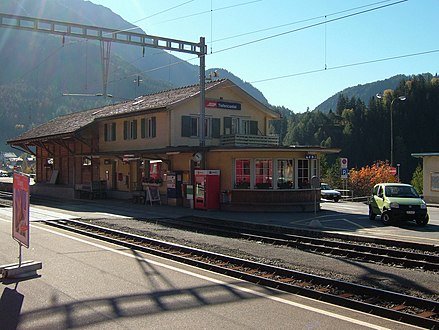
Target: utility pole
x,y
202,95
106,36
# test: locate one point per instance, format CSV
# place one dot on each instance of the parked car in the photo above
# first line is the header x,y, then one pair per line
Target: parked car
x,y
397,202
327,192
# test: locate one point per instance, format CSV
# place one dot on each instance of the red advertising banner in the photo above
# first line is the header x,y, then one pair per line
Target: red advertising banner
x,y
20,209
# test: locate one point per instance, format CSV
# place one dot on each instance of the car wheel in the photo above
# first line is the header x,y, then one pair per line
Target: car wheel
x,y
336,199
423,221
385,218
372,215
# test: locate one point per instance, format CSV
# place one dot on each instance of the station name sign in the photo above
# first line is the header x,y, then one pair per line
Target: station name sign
x,y
222,105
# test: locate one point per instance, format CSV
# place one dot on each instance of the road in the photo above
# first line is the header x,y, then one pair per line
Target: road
x,y
353,218
90,284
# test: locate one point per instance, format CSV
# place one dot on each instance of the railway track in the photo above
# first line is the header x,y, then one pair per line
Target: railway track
x,y
391,305
390,252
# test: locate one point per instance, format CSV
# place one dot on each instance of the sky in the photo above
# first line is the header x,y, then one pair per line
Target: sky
x,y
298,53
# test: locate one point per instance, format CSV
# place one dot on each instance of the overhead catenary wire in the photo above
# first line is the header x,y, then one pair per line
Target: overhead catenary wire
x,y
298,22
291,31
308,26
155,14
70,43
391,58
209,11
382,4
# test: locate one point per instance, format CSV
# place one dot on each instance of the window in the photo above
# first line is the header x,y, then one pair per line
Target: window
x,y
130,130
303,173
148,127
237,125
285,174
241,126
194,126
86,161
264,173
314,168
434,181
110,132
190,127
242,173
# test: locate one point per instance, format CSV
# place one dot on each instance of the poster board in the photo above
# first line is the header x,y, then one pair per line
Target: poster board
x,y
54,177
20,209
153,195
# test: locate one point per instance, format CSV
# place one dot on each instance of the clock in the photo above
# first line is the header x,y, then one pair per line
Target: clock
x,y
197,157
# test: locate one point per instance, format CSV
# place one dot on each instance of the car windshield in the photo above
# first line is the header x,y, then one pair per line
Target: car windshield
x,y
401,191
325,186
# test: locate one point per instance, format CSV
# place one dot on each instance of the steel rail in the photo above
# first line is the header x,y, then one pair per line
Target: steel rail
x,y
386,255
391,305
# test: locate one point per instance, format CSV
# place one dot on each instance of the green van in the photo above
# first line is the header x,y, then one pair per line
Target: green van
x,y
397,202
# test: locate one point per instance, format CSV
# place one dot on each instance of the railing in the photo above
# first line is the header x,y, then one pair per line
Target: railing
x,y
248,140
347,194
5,198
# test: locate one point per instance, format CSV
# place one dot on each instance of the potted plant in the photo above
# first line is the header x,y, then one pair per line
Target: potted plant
x,y
242,185
263,185
150,181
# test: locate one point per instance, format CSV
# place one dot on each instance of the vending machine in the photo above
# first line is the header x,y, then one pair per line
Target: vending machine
x,y
207,189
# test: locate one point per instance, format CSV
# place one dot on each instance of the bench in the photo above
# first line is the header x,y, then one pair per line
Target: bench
x,y
139,196
95,189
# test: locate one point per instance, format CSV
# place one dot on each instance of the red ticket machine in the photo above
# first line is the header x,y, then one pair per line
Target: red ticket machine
x,y
207,189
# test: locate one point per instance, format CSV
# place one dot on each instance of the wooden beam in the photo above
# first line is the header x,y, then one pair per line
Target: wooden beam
x,y
63,144
41,145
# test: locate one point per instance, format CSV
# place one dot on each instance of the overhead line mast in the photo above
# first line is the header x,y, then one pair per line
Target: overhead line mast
x,y
106,36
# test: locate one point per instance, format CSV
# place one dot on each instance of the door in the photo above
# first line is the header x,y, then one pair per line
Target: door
x,y
377,199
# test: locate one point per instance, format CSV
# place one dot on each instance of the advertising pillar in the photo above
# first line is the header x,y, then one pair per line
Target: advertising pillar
x,y
20,209
20,230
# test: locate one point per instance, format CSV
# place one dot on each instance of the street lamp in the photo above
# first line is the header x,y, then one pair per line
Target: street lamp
x,y
400,98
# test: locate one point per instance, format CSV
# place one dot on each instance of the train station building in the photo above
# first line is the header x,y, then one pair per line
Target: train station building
x,y
430,170
153,142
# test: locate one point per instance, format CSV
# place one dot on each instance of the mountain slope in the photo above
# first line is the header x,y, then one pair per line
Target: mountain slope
x,y
40,67
363,92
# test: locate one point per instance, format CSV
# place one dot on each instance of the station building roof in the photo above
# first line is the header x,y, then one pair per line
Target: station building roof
x,y
67,125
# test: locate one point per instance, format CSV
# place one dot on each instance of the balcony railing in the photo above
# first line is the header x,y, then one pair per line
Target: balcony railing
x,y
249,140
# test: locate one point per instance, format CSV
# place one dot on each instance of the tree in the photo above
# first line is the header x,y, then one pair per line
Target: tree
x,y
331,172
362,181
417,179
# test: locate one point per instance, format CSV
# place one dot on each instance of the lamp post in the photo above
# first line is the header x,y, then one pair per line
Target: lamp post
x,y
400,98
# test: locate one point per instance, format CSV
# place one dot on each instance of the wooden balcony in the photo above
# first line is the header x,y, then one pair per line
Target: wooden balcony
x,y
249,140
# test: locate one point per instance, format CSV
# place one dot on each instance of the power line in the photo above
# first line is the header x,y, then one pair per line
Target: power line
x,y
347,66
276,35
308,27
287,32
298,22
208,11
155,14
